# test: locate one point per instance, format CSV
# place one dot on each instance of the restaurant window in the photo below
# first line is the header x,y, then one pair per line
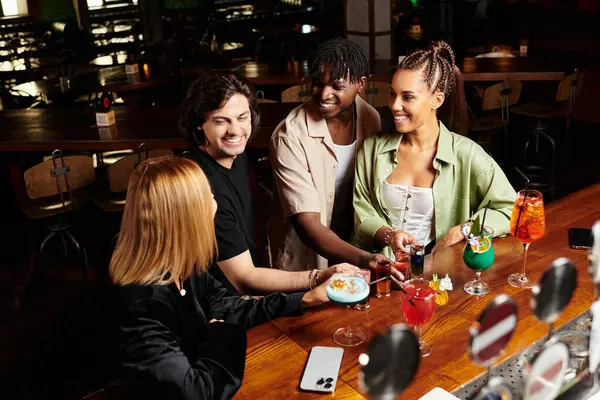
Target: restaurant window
x,y
13,8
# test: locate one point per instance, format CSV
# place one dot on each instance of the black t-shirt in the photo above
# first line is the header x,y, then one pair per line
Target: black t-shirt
x,y
234,221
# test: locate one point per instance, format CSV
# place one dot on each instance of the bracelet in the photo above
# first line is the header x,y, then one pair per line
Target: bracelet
x,y
310,278
387,234
317,281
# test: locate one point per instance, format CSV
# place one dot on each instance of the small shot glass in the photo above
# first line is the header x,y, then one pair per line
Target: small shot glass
x,y
384,287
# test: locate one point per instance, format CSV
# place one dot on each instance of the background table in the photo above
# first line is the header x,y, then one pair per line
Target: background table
x,y
75,128
278,351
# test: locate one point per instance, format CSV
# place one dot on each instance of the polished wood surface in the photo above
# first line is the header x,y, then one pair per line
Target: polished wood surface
x,y
75,129
474,70
277,352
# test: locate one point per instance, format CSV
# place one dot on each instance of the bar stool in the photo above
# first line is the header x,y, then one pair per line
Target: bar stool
x,y
539,160
486,125
54,189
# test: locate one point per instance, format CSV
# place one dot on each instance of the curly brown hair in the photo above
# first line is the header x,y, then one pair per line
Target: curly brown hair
x,y
208,94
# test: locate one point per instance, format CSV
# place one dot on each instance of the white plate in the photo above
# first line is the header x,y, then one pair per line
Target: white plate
x,y
439,394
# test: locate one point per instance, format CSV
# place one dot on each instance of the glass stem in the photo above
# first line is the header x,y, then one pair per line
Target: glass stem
x,y
349,326
526,248
477,281
418,334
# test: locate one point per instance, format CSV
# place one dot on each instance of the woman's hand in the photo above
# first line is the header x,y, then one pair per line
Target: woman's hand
x,y
316,296
215,320
453,236
398,240
325,274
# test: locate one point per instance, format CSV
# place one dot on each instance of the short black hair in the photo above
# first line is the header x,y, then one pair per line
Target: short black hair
x,y
208,94
343,57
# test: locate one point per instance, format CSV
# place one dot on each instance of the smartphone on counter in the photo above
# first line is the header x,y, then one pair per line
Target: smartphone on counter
x,y
580,238
322,368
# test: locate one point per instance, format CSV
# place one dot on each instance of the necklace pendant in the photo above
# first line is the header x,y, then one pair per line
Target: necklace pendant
x,y
182,292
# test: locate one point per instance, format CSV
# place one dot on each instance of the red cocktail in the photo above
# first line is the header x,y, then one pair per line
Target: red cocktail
x,y
418,305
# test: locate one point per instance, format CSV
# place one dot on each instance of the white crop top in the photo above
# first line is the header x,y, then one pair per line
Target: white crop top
x,y
411,209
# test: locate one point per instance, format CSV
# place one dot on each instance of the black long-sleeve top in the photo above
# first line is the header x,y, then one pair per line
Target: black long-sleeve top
x,y
170,351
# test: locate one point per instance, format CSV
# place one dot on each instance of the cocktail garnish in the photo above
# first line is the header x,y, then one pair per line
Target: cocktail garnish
x,y
446,283
353,288
338,284
441,295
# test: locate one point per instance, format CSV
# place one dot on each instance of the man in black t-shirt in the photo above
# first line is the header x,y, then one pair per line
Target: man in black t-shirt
x,y
218,116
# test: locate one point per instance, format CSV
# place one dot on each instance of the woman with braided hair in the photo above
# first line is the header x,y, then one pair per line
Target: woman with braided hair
x,y
421,183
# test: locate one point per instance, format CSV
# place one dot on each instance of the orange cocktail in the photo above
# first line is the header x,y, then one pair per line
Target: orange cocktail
x,y
527,224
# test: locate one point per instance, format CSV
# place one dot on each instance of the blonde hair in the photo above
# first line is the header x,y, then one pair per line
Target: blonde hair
x,y
167,231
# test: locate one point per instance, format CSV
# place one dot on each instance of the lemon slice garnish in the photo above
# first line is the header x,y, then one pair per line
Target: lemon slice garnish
x,y
441,295
484,245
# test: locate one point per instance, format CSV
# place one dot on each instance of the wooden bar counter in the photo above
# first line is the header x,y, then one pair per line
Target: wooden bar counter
x,y
278,351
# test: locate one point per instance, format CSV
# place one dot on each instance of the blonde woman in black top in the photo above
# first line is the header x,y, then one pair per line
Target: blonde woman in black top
x,y
183,336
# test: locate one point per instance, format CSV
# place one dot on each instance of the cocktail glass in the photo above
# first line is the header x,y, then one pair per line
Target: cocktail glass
x,y
348,289
479,258
529,212
418,305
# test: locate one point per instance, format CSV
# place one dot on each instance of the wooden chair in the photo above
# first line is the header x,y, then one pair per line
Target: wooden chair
x,y
112,199
377,93
560,108
55,188
297,94
485,125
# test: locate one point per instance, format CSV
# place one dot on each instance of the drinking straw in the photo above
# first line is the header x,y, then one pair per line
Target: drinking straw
x,y
401,289
524,199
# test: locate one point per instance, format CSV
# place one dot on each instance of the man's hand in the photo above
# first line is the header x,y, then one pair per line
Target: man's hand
x,y
451,237
325,274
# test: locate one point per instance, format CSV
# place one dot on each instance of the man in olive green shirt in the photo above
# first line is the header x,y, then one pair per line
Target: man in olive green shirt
x,y
467,178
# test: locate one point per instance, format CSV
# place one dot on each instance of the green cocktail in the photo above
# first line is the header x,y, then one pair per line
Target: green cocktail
x,y
479,258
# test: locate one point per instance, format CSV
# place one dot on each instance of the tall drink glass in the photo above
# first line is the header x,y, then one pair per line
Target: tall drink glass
x,y
417,260
418,305
529,212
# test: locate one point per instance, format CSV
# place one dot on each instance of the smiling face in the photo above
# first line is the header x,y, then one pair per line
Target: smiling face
x,y
333,97
412,102
227,130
